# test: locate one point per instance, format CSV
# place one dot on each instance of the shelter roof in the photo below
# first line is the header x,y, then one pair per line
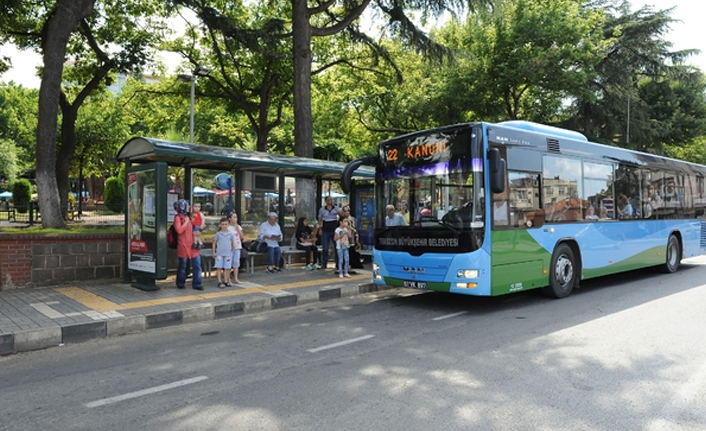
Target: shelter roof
x,y
145,150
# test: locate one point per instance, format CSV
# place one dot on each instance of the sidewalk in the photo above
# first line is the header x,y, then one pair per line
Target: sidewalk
x,y
37,318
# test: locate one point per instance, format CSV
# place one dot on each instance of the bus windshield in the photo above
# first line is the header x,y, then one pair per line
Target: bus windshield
x,y
432,197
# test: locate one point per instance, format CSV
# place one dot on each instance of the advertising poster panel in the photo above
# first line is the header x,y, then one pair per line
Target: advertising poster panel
x,y
365,216
147,214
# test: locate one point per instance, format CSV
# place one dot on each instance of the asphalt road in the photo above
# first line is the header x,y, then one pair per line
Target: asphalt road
x,y
625,352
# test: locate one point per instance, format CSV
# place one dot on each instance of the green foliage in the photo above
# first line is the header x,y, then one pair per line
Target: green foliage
x,y
21,195
250,61
522,58
100,133
693,151
9,166
18,121
633,75
114,197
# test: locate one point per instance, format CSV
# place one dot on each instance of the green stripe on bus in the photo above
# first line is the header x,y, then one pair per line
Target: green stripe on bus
x,y
652,257
519,262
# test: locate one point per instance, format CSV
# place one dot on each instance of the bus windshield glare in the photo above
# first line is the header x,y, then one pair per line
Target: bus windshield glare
x,y
430,191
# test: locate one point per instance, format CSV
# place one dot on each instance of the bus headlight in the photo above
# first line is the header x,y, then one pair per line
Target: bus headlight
x,y
467,273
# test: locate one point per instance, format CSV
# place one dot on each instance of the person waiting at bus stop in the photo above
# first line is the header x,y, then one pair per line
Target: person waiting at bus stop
x,y
185,250
271,233
328,221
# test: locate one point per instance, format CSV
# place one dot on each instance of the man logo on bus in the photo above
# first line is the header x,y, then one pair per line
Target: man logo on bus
x,y
413,270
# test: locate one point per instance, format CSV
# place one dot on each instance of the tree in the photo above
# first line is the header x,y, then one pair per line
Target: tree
x,y
18,122
636,54
249,61
100,132
55,35
671,109
527,55
9,164
106,42
99,40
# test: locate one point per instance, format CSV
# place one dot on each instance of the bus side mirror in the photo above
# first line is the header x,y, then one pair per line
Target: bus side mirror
x,y
497,171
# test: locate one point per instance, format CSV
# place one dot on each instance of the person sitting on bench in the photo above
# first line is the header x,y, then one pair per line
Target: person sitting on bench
x,y
271,233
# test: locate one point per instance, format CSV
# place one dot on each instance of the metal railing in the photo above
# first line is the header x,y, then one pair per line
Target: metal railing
x,y
88,214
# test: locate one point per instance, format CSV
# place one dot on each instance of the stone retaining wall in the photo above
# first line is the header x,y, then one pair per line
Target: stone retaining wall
x,y
45,259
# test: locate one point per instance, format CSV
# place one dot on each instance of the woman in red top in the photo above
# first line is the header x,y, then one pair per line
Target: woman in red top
x,y
185,251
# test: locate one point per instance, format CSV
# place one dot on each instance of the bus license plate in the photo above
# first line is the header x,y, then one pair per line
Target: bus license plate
x,y
416,284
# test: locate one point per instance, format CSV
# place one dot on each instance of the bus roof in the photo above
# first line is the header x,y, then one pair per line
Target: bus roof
x,y
544,129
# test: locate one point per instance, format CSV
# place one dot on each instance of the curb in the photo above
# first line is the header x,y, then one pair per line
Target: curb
x,y
43,338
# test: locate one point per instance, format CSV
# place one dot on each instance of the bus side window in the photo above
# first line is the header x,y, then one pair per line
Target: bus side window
x,y
524,199
561,178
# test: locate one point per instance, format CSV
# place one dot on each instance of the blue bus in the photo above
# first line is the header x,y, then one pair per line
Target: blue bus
x,y
490,209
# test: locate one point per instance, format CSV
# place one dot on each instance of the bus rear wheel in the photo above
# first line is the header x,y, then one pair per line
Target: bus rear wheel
x,y
564,271
673,255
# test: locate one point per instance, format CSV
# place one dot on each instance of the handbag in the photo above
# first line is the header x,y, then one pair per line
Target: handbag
x,y
258,247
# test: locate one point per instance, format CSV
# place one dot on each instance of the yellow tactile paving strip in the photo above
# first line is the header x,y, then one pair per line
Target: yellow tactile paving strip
x,y
100,304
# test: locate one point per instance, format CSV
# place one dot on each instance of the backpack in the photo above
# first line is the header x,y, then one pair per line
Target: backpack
x,y
172,237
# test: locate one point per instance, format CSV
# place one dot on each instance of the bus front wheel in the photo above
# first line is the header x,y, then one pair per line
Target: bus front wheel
x,y
564,271
673,255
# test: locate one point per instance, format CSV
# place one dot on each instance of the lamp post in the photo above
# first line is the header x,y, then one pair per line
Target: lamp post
x,y
198,71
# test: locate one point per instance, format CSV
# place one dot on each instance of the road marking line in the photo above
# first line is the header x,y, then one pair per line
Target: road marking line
x,y
100,304
448,316
144,392
340,343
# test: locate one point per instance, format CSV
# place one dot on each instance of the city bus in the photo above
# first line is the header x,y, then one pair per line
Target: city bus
x,y
490,209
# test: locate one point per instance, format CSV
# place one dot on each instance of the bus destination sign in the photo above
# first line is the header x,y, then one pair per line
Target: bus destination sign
x,y
432,148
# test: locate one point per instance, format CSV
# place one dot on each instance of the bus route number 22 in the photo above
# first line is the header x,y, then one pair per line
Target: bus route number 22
x,y
392,155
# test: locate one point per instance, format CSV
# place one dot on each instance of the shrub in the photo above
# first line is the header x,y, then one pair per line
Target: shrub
x,y
114,195
21,195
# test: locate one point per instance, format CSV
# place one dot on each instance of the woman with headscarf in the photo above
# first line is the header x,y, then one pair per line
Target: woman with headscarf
x,y
185,251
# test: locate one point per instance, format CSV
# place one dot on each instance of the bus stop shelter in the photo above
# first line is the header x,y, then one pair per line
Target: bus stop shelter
x,y
252,169
141,150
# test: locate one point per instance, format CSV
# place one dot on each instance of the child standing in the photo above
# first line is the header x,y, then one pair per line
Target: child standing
x,y
237,231
342,237
223,246
197,221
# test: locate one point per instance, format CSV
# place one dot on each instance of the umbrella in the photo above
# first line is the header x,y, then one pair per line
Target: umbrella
x,y
200,191
336,195
271,195
6,195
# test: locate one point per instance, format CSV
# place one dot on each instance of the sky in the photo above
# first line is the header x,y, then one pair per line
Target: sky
x,y
686,34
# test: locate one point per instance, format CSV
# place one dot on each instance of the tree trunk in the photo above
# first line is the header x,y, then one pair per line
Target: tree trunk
x,y
62,22
303,122
65,154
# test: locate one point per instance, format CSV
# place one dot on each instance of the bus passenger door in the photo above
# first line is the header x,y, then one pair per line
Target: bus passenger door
x,y
518,259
